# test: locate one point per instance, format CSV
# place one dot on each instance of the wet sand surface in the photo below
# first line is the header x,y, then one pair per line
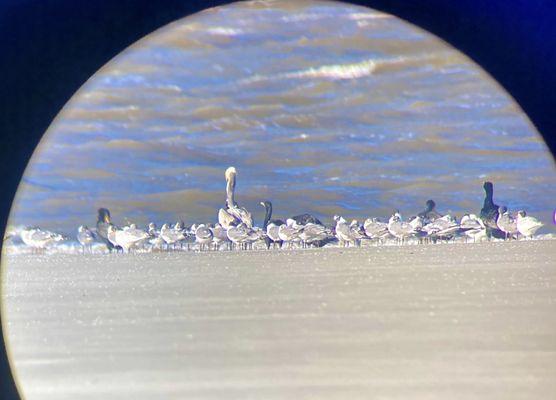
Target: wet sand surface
x,y
458,321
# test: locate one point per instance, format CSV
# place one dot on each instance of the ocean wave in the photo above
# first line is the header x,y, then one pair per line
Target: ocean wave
x,y
334,71
303,17
355,70
366,15
224,31
339,71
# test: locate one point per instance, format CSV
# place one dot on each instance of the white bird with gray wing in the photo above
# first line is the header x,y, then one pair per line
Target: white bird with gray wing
x,y
527,225
85,237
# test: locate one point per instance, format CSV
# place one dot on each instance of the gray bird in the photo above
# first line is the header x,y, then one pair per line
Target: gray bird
x,y
86,238
506,222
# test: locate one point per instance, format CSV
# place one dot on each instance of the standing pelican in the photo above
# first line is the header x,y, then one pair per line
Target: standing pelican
x,y
233,214
526,225
86,238
271,226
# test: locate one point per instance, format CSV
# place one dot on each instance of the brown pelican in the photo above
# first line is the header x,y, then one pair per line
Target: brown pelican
x,y
233,214
526,225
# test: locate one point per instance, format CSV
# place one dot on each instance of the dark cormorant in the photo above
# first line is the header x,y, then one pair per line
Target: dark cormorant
x,y
276,222
103,222
489,213
429,214
304,219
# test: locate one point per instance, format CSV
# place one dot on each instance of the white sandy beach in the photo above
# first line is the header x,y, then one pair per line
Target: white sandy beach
x,y
446,321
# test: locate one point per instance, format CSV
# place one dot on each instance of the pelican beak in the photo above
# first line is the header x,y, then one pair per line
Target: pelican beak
x,y
261,203
106,218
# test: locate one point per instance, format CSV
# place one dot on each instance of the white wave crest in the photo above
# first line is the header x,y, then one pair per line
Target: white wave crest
x,y
340,71
336,71
303,17
360,16
223,31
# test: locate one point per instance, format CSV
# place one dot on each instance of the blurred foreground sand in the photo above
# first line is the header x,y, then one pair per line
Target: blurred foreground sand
x,y
458,321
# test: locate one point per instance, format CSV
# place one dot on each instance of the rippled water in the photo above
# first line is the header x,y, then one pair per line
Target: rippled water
x,y
322,107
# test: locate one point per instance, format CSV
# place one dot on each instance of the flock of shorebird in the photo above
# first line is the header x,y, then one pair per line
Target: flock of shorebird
x,y
235,229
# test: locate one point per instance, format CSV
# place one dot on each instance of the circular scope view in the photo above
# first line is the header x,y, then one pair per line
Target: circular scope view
x,y
285,199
